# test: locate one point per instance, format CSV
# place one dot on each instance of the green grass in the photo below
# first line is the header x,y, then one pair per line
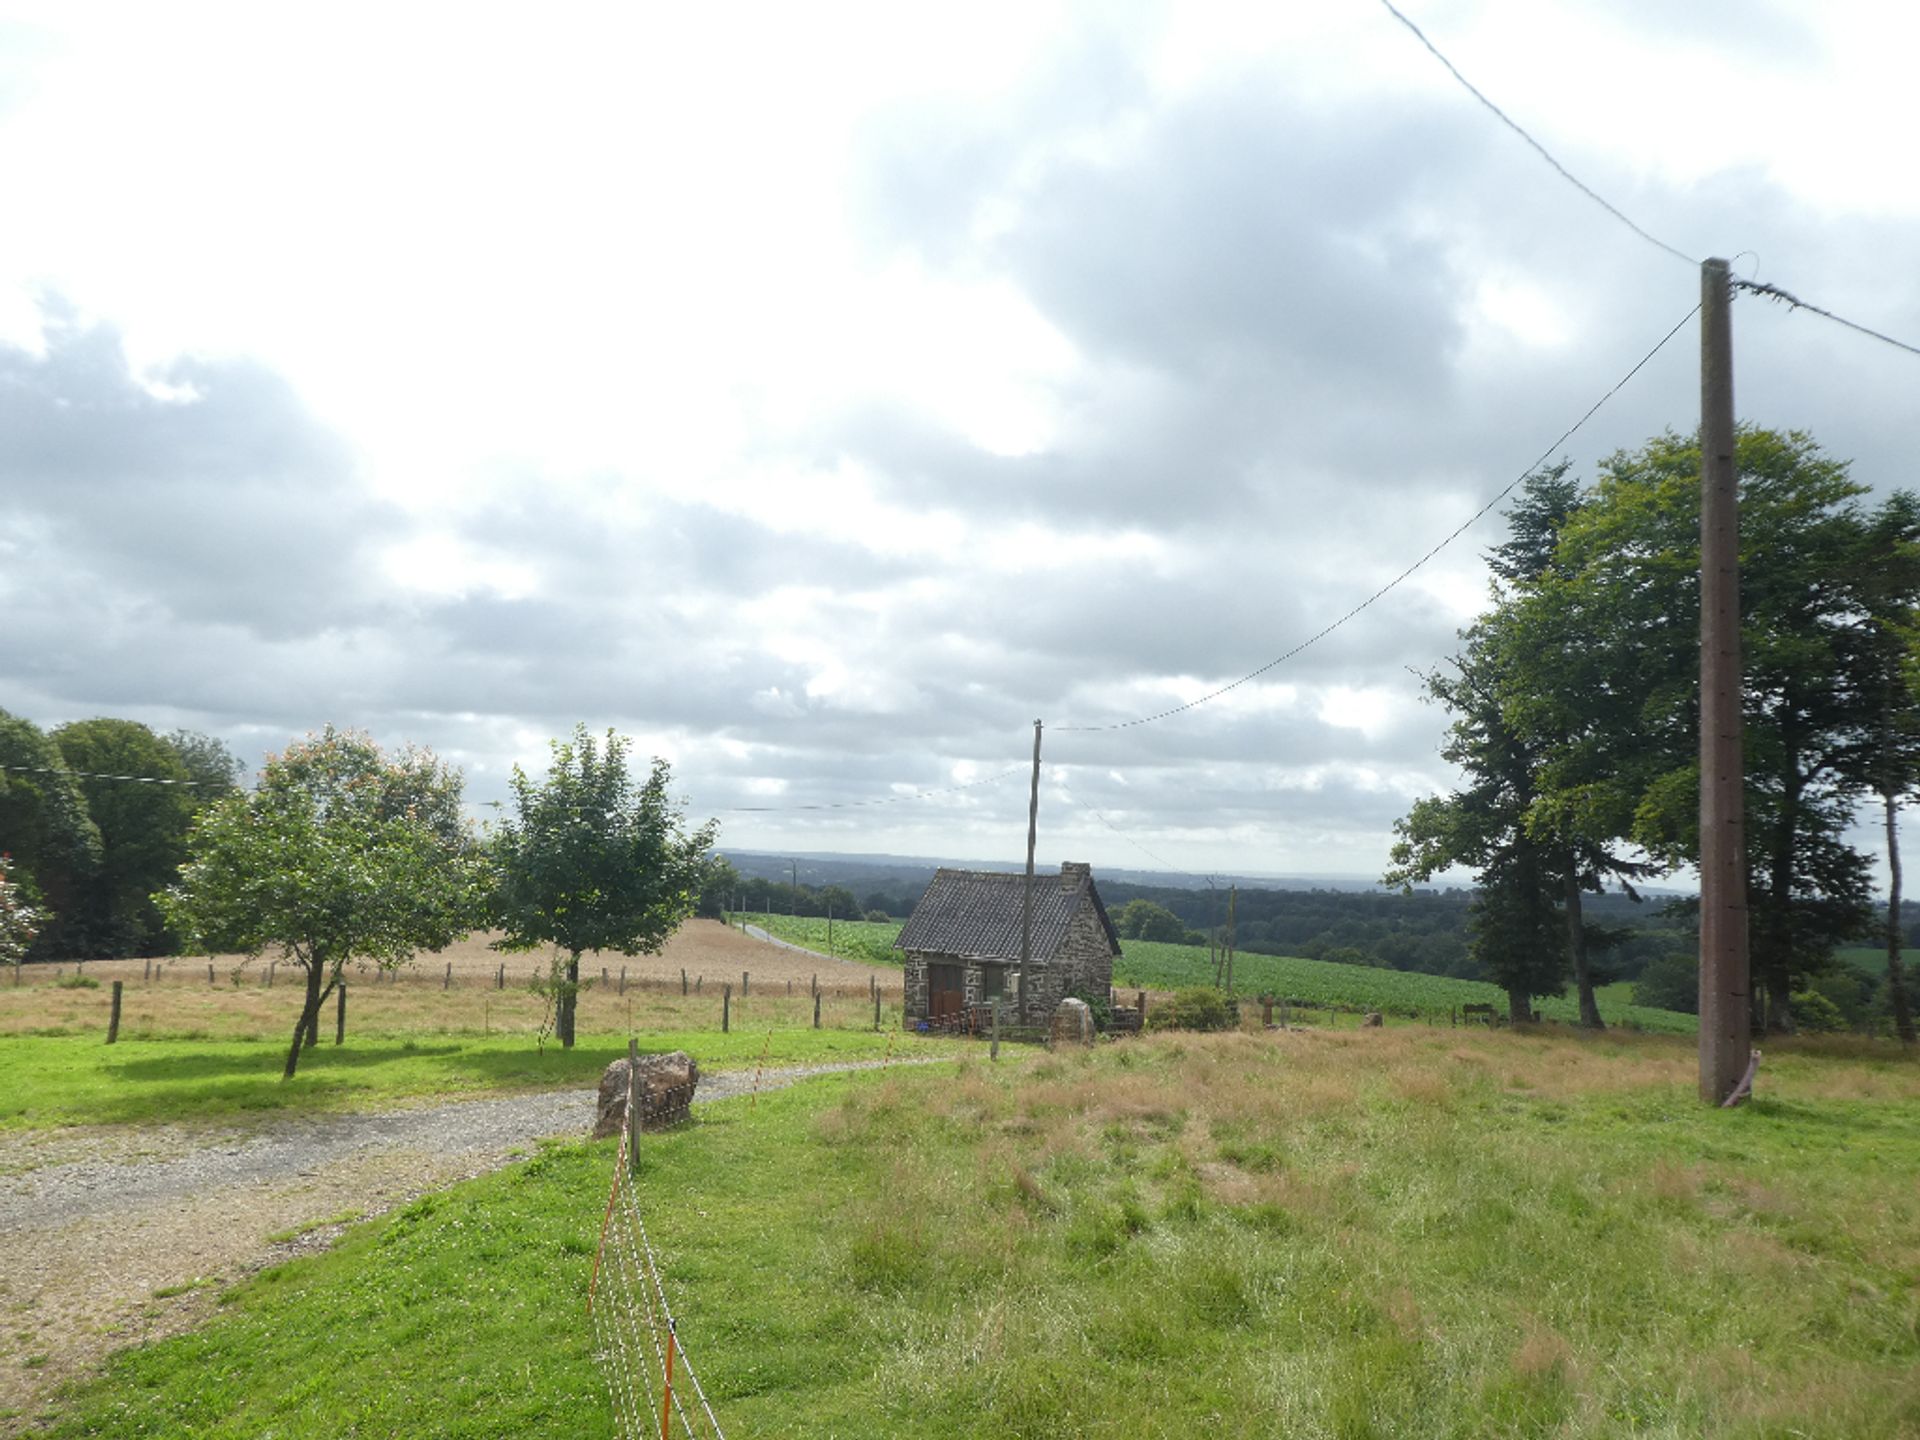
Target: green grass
x,y
870,941
1873,959
1408,1234
49,1080
1156,966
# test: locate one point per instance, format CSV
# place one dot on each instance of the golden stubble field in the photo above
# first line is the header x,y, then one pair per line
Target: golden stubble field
x,y
462,988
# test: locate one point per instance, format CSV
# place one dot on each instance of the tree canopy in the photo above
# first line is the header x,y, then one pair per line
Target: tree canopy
x,y
339,852
588,859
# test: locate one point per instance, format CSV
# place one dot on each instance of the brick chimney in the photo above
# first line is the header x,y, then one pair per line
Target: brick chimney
x,y
1072,872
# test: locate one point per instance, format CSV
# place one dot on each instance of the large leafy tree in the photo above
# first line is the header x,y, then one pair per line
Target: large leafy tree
x,y
1513,923
590,859
214,769
19,921
340,852
44,824
143,834
1626,565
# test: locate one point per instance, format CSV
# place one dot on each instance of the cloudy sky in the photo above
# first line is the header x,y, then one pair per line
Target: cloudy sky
x,y
820,394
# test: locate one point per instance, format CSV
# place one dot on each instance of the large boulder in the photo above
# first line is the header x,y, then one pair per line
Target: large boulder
x,y
1072,1024
664,1085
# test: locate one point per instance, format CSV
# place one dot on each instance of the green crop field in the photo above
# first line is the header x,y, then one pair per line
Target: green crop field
x,y
1152,965
863,940
1873,958
1358,987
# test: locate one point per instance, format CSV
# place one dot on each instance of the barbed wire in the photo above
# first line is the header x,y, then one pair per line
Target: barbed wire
x,y
1794,302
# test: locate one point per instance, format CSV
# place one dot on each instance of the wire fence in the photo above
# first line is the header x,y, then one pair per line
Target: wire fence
x,y
637,1343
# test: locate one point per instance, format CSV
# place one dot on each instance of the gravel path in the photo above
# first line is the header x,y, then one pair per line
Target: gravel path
x,y
119,1237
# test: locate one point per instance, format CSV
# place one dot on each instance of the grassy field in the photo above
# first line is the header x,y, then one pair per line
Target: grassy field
x,y
1348,1234
1145,964
1360,987
1873,958
869,941
215,1051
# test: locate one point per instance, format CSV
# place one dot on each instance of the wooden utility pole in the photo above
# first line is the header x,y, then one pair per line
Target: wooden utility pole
x,y
1233,894
1026,899
1725,982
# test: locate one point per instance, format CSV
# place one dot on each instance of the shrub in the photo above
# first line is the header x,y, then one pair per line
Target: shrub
x,y
1198,1007
876,917
1100,1002
1815,1014
78,982
1671,982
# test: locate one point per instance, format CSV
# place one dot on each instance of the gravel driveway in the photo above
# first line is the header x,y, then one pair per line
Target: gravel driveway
x,y
117,1237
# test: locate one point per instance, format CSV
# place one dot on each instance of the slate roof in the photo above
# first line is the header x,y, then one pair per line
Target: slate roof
x,y
975,914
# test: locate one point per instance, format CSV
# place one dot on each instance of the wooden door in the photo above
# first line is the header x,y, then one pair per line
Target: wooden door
x,y
946,992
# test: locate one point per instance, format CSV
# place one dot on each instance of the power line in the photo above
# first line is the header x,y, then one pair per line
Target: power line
x,y
1546,155
1794,302
1405,574
96,775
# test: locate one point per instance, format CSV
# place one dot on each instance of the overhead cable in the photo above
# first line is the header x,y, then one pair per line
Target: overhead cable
x,y
1794,302
1407,573
1546,155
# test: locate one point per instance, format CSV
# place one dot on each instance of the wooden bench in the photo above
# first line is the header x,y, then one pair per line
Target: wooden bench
x,y
1476,1014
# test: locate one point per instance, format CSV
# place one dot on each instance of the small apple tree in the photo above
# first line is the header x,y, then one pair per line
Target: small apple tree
x,y
591,860
339,852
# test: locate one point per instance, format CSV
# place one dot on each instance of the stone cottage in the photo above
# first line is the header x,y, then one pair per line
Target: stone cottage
x,y
962,945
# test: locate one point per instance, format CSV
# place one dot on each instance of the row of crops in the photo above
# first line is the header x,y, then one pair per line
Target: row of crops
x,y
1146,964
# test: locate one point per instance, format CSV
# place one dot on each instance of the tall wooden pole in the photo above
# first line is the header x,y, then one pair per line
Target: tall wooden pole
x,y
1026,899
1725,985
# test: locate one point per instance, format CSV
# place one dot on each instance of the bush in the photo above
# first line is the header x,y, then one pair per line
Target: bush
x,y
1198,1007
876,917
1671,982
78,982
1100,1002
1815,1014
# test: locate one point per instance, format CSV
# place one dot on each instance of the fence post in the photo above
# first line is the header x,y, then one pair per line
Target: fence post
x,y
340,1014
113,1020
147,974
744,977
726,1008
623,980
603,974
1266,1012
447,984
993,1050
500,979
816,1009
1140,1001
876,1007
698,981
683,979
209,972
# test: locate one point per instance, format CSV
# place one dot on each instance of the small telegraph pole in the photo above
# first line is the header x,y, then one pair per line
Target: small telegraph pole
x,y
1725,979
1026,898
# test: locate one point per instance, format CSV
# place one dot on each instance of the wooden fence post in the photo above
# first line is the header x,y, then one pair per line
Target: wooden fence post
x,y
1140,1001
113,1020
623,980
698,981
147,974
340,1014
683,979
447,984
726,1008
500,980
816,1009
744,977
876,1008
209,972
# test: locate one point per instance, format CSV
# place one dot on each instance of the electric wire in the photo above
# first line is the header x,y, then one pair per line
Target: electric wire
x,y
1066,790
1794,302
1541,150
98,775
1407,573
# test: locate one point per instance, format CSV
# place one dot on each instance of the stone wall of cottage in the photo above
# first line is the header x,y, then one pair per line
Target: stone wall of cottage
x,y
1083,963
916,1001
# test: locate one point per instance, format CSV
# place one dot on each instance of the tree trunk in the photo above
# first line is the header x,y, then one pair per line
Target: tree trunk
x,y
1896,970
1577,952
569,995
1519,1005
309,1016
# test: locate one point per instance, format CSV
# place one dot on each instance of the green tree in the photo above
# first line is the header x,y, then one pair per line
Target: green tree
x,y
591,861
214,769
1145,920
44,824
143,834
1627,563
719,886
19,921
339,852
1513,923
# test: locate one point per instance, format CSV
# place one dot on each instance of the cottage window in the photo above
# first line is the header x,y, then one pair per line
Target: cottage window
x,y
993,982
